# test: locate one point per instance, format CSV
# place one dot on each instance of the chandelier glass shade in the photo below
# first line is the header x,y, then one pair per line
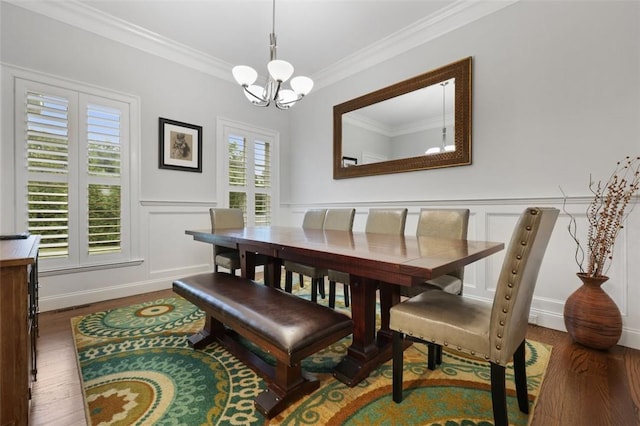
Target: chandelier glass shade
x,y
279,72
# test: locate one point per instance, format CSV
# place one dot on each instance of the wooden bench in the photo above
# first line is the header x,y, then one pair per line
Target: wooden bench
x,y
286,326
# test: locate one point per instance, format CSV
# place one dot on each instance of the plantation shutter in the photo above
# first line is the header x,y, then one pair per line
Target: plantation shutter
x,y
104,173
249,182
73,173
237,173
47,139
262,174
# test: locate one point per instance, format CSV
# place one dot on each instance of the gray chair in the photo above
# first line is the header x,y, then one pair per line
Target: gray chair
x,y
339,219
225,257
493,332
442,223
379,221
313,219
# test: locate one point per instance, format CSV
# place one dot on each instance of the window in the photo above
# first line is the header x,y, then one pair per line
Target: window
x,y
74,177
248,170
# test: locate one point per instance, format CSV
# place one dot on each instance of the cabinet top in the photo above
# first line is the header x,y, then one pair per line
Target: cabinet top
x,y
19,252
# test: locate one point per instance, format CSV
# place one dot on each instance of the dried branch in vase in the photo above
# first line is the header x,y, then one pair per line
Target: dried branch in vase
x,y
606,215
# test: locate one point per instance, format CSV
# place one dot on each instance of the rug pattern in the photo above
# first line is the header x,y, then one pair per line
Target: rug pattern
x,y
137,368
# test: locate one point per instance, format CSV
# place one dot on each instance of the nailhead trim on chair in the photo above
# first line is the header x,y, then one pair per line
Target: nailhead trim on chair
x,y
510,285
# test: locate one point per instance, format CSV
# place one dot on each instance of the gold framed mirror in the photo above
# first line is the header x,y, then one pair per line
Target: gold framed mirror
x,y
406,126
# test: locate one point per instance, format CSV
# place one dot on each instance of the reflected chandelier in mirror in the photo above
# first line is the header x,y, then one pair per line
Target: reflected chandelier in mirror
x,y
420,123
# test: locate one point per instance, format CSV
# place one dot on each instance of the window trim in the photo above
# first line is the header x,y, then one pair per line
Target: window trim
x,y
130,204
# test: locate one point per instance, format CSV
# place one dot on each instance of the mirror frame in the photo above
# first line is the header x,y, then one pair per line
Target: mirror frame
x,y
461,71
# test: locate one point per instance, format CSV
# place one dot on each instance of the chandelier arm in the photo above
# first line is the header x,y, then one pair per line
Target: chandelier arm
x,y
259,101
293,101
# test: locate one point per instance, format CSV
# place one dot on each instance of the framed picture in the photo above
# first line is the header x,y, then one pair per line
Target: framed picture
x,y
349,161
180,146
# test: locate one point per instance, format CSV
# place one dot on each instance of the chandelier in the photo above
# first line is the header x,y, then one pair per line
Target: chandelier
x,y
444,147
279,72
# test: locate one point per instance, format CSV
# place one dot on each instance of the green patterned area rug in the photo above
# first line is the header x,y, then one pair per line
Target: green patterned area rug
x,y
137,369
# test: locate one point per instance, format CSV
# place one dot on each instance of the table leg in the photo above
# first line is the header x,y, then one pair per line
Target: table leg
x,y
247,263
366,352
389,296
272,270
363,355
272,273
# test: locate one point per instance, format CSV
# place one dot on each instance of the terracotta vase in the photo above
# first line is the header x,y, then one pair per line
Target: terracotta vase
x,y
592,317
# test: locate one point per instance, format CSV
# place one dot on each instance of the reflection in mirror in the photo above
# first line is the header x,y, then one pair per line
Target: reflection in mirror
x,y
420,123
416,123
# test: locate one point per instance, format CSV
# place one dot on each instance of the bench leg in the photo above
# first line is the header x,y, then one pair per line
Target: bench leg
x,y
289,385
212,329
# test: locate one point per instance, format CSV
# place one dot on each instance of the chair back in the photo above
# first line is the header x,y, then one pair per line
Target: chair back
x,y
444,223
314,219
386,221
339,219
517,281
226,218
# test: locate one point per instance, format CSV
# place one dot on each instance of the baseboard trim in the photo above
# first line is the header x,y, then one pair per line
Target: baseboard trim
x,y
64,301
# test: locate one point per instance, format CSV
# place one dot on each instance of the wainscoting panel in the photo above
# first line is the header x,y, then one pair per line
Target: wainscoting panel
x,y
171,251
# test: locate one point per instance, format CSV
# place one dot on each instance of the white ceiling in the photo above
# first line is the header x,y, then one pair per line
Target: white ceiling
x,y
312,34
324,39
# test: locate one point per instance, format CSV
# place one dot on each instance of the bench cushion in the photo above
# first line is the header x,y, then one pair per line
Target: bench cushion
x,y
287,321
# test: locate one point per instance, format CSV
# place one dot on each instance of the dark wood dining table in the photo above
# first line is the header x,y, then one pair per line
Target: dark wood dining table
x,y
374,262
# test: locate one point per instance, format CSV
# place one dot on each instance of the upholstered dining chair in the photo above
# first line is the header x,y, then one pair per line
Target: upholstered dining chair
x,y
379,221
313,219
338,220
228,258
442,223
494,332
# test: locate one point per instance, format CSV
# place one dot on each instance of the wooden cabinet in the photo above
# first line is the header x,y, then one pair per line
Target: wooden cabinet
x,y
18,327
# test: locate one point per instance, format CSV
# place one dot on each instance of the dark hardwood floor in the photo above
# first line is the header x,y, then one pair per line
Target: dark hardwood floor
x,y
582,387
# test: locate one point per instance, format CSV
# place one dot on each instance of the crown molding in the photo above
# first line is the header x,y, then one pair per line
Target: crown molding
x,y
445,20
80,15
369,124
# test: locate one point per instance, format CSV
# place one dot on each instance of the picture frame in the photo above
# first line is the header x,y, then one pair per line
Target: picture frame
x,y
180,146
349,161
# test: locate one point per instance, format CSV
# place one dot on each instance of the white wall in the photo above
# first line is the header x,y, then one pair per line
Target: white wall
x,y
556,96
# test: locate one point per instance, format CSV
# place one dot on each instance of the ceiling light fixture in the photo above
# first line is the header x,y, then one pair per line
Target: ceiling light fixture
x,y
444,147
279,72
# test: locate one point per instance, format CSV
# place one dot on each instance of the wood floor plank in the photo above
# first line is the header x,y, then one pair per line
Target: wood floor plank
x,y
581,387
